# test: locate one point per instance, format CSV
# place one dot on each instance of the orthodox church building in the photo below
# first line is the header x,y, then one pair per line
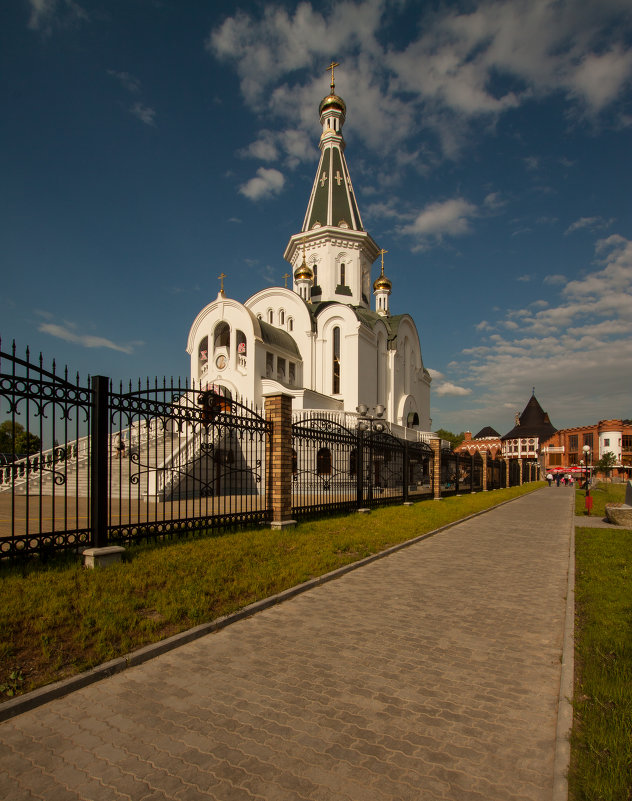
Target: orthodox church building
x,y
325,342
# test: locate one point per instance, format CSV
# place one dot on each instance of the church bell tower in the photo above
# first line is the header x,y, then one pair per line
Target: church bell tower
x,y
332,242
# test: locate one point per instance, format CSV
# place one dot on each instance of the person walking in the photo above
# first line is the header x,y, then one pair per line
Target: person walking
x,y
549,478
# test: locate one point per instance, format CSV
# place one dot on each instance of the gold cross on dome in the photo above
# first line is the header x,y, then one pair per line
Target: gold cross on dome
x,y
221,277
285,277
331,67
382,252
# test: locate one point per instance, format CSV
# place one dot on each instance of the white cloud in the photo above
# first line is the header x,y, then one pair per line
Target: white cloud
x,y
592,223
450,217
46,15
144,113
268,182
458,69
292,146
448,388
434,374
599,77
68,334
127,81
555,279
584,340
264,148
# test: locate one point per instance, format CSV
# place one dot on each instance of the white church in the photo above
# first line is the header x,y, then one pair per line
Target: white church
x,y
320,342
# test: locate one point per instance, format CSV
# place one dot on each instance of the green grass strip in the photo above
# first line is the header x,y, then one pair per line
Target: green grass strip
x,y
60,619
601,752
601,495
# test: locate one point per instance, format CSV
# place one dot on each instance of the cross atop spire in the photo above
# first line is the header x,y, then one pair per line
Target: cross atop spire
x,y
331,67
382,252
221,277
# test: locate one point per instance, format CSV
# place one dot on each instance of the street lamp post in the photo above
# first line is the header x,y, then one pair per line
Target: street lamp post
x,y
586,450
588,500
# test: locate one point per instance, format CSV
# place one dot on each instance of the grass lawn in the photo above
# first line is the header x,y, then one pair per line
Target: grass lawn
x,y
60,619
601,495
601,745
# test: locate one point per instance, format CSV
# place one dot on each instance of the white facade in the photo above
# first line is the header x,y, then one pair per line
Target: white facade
x,y
610,442
320,341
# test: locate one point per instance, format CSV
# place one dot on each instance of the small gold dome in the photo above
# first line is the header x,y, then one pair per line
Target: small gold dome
x,y
304,272
332,101
382,282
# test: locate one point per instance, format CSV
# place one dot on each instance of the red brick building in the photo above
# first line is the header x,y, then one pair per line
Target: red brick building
x,y
564,450
487,440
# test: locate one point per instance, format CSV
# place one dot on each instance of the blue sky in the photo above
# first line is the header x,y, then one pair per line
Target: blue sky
x,y
147,145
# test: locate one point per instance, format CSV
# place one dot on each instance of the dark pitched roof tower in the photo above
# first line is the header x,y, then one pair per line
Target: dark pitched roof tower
x,y
533,422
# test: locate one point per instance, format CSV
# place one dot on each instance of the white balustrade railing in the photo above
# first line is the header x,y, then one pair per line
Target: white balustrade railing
x,y
350,420
162,479
69,456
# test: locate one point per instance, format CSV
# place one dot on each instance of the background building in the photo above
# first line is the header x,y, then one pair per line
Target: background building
x,y
487,440
564,450
532,429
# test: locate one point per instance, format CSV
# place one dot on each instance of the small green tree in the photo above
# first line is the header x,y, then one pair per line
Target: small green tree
x,y
453,439
606,463
14,439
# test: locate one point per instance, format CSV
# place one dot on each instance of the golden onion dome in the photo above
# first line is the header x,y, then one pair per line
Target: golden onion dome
x,y
304,272
382,282
332,101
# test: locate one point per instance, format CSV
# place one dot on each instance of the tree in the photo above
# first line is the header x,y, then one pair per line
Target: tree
x,y
453,439
606,463
16,441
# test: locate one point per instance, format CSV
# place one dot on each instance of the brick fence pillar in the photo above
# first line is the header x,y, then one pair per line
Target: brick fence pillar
x,y
484,455
507,460
279,460
435,444
521,463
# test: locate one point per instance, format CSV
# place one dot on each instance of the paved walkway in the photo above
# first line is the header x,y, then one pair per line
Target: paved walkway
x,y
433,673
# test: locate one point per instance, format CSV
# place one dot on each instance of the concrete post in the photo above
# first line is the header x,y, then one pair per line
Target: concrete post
x,y
484,455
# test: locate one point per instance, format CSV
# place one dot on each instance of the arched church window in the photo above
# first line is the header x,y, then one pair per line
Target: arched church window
x,y
221,337
270,316
335,383
342,274
203,351
281,317
323,462
241,343
290,324
315,271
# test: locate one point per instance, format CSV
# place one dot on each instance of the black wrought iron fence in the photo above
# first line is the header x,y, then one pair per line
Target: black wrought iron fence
x,y
326,465
84,464
45,418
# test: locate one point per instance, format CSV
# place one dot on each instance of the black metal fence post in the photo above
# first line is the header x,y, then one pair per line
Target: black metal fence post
x,y
99,461
405,471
